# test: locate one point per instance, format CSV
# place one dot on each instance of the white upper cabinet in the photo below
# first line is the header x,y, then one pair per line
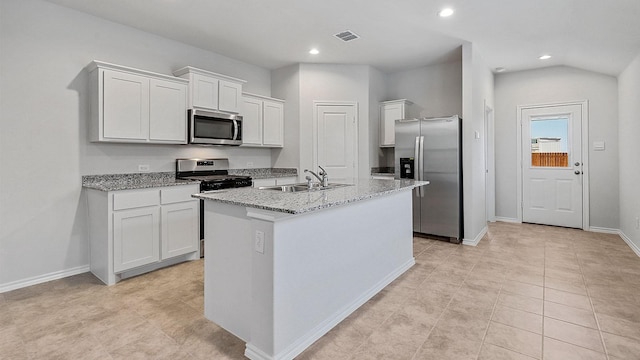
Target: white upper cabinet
x,y
168,104
212,91
131,105
262,121
204,90
390,111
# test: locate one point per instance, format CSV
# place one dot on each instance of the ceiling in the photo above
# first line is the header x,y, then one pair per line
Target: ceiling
x,y
596,35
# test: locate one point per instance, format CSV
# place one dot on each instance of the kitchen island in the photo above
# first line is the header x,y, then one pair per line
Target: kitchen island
x,y
282,269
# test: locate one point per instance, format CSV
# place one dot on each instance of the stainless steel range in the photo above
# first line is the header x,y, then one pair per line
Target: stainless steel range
x,y
213,175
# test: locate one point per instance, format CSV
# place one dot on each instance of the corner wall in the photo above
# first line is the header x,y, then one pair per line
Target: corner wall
x,y
629,144
477,88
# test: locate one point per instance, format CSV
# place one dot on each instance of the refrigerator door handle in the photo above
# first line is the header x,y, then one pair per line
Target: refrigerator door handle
x,y
416,158
421,165
416,166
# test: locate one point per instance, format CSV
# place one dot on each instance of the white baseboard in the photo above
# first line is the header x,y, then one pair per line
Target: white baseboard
x,y
603,230
477,239
631,244
508,220
43,278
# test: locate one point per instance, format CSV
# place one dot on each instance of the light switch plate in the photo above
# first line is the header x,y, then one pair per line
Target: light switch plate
x,y
598,145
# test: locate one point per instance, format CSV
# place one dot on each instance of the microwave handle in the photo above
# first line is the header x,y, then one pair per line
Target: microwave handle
x,y
235,129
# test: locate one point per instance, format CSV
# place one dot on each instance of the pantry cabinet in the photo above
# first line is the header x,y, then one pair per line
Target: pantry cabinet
x,y
263,121
212,91
390,111
132,105
140,230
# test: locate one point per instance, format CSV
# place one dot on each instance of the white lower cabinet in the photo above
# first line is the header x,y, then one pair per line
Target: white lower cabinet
x,y
179,228
136,231
136,238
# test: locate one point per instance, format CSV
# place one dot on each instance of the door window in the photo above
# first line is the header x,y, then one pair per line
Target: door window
x,y
549,141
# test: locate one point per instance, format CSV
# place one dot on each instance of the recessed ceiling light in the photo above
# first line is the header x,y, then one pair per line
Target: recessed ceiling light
x,y
314,51
445,12
545,57
500,69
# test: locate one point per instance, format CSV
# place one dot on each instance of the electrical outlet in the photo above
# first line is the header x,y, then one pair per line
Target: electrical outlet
x,y
249,164
637,222
143,168
259,244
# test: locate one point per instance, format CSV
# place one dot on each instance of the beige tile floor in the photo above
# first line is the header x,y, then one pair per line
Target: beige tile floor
x,y
525,292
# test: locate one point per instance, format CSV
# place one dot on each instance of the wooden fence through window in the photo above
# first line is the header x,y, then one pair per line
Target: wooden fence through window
x,y
554,159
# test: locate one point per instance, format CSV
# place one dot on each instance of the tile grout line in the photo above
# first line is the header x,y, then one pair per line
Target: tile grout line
x,y
439,317
364,341
604,345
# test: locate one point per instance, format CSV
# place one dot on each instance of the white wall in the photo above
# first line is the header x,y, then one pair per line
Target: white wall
x,y
477,88
43,127
285,84
435,90
377,93
629,130
323,82
553,85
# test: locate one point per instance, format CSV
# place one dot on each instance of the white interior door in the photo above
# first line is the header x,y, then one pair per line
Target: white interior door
x,y
336,140
552,167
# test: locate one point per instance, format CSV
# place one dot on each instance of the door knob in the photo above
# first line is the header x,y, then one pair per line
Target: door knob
x,y
577,172
577,163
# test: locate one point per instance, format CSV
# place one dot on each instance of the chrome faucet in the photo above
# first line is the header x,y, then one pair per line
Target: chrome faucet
x,y
324,180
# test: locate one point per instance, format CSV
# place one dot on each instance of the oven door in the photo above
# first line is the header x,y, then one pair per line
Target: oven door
x,y
214,128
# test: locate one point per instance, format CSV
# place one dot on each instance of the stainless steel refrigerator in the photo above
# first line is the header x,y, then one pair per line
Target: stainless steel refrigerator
x,y
431,149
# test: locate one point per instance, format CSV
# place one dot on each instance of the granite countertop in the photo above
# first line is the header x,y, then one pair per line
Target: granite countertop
x,y
114,182
265,173
306,201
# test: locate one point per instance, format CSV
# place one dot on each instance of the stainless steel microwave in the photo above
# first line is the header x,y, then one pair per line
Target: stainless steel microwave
x,y
214,128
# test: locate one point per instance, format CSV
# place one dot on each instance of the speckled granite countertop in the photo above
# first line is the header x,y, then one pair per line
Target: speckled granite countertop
x,y
306,201
265,173
114,182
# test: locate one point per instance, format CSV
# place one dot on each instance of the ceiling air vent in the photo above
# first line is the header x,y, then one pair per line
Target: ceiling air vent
x,y
346,35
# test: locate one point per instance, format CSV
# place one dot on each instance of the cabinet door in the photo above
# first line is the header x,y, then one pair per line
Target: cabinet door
x,y
230,96
251,121
273,123
136,238
168,112
180,231
389,114
125,106
205,92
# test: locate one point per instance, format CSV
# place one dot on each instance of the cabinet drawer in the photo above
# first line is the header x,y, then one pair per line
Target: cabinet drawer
x,y
135,199
178,194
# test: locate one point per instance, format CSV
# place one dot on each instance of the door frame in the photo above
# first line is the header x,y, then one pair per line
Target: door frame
x,y
314,131
584,104
490,163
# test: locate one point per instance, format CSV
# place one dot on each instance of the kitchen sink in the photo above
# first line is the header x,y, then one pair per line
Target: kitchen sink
x,y
301,187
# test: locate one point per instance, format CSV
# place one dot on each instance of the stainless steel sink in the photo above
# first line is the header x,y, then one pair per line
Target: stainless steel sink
x,y
301,187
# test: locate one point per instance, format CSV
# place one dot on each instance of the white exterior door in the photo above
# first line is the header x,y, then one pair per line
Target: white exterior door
x,y
552,168
336,140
